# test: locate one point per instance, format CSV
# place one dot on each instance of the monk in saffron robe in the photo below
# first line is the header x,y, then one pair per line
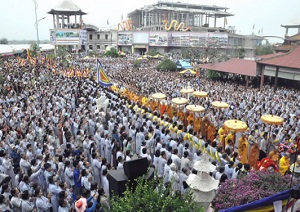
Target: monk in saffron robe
x,y
243,148
197,124
211,130
162,109
222,135
253,156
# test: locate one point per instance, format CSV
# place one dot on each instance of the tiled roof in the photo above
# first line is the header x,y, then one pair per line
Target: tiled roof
x,y
285,47
290,59
235,66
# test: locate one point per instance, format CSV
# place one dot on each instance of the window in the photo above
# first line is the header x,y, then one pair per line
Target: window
x,y
91,37
105,46
98,37
98,47
91,47
106,36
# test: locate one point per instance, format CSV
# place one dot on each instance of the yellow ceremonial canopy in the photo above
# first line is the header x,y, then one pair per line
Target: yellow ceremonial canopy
x,y
195,108
186,90
235,125
271,119
180,101
158,96
200,94
218,104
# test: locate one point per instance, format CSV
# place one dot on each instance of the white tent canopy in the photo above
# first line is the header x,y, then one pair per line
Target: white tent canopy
x,y
18,48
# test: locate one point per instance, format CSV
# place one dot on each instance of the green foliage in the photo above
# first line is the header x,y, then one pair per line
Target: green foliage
x,y
3,41
264,49
212,74
137,63
166,65
152,52
148,198
241,52
34,49
112,53
61,51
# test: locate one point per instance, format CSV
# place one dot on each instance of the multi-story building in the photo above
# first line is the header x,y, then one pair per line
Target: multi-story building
x,y
169,27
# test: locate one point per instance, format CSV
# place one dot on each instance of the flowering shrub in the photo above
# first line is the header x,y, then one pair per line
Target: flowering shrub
x,y
249,188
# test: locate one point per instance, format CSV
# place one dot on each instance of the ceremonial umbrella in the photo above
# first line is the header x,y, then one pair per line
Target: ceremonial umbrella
x,y
273,120
158,96
219,104
186,90
195,109
201,94
235,126
180,101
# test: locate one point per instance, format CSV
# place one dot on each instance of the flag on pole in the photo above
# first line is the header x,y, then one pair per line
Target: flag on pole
x,y
226,21
101,76
107,22
253,26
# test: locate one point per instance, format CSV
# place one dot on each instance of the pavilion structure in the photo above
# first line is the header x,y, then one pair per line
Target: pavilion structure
x,y
280,65
67,26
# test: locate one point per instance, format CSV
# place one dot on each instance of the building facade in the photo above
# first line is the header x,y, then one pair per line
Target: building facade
x,y
171,27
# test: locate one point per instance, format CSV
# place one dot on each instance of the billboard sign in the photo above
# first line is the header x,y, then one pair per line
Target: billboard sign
x,y
218,39
83,37
180,39
158,39
52,36
125,38
67,37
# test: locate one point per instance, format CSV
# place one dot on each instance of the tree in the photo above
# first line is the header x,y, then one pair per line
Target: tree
x,y
264,49
3,41
212,74
34,49
148,196
241,52
152,52
166,65
112,53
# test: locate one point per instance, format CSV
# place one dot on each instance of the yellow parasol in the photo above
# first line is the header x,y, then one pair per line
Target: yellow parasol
x,y
219,104
202,94
195,108
186,90
158,96
235,125
271,119
180,101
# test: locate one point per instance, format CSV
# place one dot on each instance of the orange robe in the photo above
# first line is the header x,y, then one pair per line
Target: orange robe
x,y
162,109
243,149
197,124
211,130
190,118
253,156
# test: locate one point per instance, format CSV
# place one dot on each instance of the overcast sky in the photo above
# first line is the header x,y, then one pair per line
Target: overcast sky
x,y
18,16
